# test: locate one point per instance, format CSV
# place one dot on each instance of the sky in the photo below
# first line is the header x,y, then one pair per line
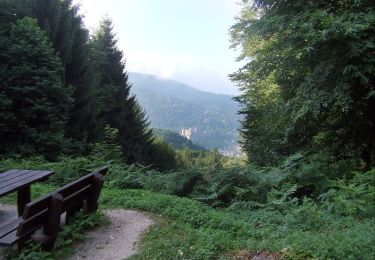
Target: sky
x,y
184,40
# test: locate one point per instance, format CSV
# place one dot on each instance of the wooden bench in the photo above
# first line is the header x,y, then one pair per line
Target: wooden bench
x,y
20,181
45,212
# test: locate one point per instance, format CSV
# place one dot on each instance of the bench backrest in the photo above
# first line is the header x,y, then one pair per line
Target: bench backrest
x,y
45,210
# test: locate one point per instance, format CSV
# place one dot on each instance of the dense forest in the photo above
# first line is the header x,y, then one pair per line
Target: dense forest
x,y
61,87
310,85
306,189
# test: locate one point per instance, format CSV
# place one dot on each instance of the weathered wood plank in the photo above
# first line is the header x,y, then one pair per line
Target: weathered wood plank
x,y
75,185
103,170
96,187
10,172
25,182
41,203
19,178
9,239
5,230
36,206
32,223
23,197
11,175
75,198
12,238
52,226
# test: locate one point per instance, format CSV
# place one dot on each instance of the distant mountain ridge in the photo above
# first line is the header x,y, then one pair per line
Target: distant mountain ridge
x,y
174,105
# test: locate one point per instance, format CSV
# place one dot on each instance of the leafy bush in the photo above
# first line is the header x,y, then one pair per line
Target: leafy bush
x,y
235,184
180,182
163,155
352,197
108,149
312,173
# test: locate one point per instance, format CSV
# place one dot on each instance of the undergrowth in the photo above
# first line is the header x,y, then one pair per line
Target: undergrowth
x,y
189,229
193,230
309,207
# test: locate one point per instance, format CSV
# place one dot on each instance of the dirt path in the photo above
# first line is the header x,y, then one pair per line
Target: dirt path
x,y
117,240
7,213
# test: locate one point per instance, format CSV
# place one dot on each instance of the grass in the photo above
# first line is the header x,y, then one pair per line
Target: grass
x,y
195,231
188,229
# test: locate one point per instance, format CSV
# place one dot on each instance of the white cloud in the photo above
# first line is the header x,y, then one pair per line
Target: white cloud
x,y
160,64
184,68
205,70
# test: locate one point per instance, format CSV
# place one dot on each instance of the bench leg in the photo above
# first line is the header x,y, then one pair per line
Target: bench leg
x,y
23,197
52,226
72,211
91,204
19,245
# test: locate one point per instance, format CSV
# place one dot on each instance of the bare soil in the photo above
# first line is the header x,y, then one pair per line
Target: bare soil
x,y
118,240
7,213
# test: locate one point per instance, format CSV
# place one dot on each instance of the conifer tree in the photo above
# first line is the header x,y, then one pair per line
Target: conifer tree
x,y
118,108
70,39
34,102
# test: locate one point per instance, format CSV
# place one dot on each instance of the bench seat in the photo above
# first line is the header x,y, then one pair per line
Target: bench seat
x,y
8,229
45,212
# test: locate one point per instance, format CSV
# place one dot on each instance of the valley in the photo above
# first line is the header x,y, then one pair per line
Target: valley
x,y
212,118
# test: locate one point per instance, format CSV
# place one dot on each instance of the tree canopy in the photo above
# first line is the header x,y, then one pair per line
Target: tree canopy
x,y
34,102
117,107
309,78
62,87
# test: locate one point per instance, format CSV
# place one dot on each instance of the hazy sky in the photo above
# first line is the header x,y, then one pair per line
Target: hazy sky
x,y
185,40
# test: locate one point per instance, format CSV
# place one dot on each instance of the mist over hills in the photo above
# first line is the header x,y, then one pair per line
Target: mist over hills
x,y
174,105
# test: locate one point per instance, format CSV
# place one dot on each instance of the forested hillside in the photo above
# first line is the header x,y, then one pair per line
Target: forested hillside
x,y
173,105
176,140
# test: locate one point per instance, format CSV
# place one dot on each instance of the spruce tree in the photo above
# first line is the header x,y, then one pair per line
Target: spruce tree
x,y
71,41
34,102
118,108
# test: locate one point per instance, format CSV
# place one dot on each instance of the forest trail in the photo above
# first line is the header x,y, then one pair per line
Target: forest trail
x,y
117,240
7,213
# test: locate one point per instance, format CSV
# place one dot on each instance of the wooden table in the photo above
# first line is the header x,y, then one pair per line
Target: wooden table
x,y
20,181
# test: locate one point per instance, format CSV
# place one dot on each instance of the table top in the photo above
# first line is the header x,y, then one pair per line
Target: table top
x,y
16,179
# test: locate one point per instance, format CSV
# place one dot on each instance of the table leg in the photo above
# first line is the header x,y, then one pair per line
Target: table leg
x,y
23,197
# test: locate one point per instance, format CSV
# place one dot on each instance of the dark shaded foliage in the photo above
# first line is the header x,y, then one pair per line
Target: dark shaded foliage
x,y
34,102
309,83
